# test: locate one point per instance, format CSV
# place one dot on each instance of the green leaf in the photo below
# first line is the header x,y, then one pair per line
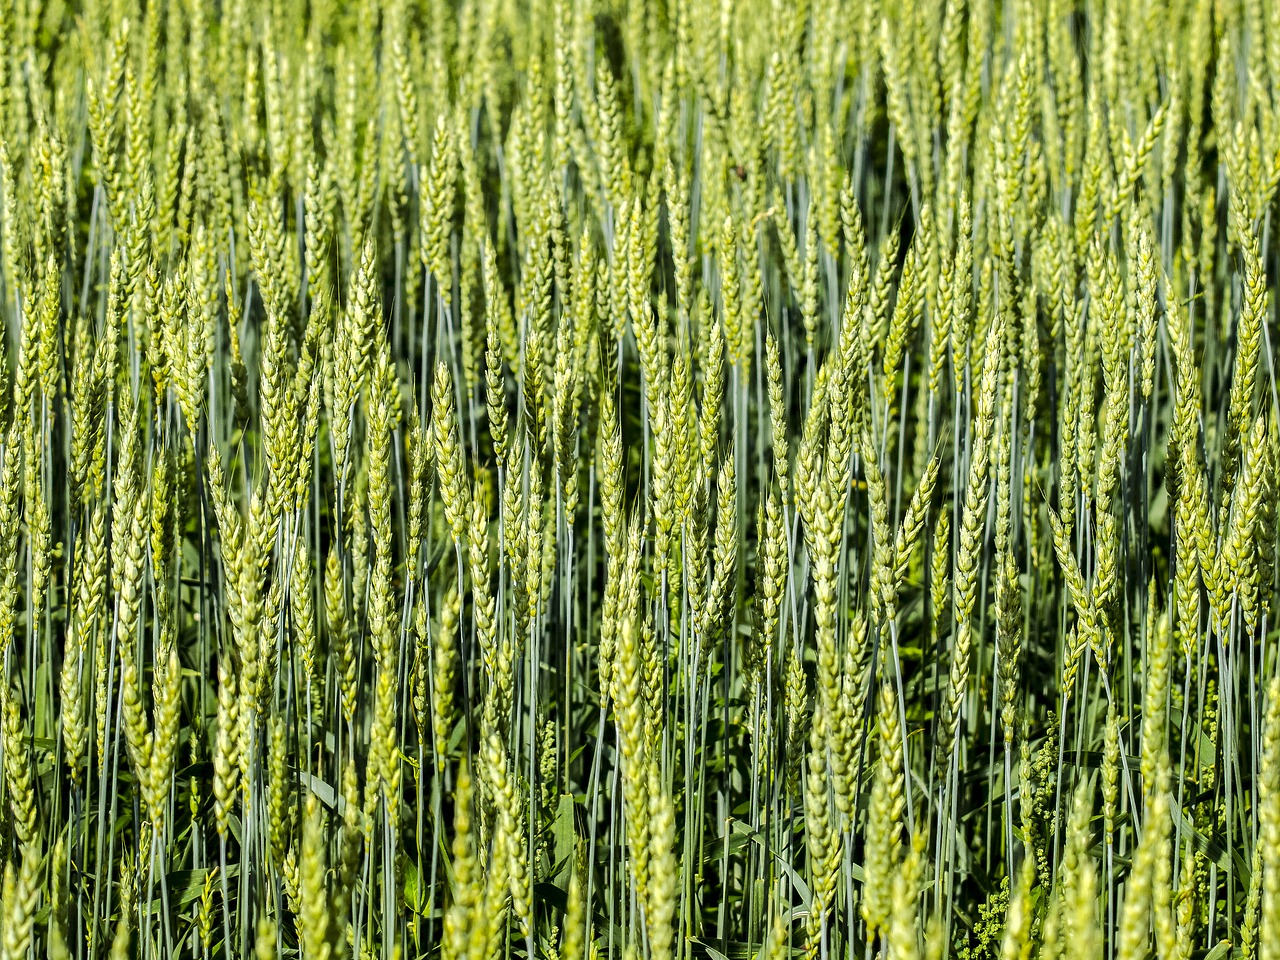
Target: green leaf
x,y
565,837
801,888
711,951
1215,850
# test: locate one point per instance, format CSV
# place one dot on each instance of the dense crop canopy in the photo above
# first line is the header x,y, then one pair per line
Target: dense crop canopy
x,y
641,480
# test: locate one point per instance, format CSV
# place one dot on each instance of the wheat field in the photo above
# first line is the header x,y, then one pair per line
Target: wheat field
x,y
652,480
